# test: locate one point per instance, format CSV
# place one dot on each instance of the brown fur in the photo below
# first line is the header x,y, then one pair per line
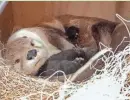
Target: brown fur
x,y
117,36
92,31
18,48
90,28
102,32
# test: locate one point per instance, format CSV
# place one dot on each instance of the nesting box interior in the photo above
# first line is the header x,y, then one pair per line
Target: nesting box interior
x,y
26,14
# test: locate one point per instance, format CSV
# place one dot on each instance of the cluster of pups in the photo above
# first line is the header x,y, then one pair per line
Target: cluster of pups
x,y
63,43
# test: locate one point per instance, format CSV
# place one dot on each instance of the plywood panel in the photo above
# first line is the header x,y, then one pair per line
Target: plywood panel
x,y
93,9
123,8
6,23
29,13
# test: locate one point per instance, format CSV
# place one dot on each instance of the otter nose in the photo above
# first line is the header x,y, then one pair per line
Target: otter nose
x,y
31,54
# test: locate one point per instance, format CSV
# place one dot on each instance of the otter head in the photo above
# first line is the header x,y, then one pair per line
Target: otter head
x,y
26,55
72,32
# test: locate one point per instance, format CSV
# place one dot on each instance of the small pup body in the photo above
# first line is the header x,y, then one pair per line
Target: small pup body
x,y
68,61
72,32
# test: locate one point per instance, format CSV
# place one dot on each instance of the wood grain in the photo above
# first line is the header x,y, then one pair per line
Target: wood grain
x,y
25,14
28,13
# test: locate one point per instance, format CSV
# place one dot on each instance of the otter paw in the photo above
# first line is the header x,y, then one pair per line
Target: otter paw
x,y
78,49
79,60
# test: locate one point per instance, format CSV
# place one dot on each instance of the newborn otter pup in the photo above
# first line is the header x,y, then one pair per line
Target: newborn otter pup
x,y
68,61
72,33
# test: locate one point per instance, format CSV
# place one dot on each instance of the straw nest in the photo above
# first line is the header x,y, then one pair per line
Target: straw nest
x,y
16,86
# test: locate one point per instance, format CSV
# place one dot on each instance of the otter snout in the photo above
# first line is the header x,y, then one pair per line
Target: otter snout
x,y
31,54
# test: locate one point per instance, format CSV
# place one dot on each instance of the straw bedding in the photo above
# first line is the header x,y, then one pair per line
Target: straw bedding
x,y
16,86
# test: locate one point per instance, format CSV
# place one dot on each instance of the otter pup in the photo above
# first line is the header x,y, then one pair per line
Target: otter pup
x,y
72,32
68,61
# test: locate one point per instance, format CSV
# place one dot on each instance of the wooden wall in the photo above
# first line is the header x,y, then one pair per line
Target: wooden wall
x,y
29,13
6,23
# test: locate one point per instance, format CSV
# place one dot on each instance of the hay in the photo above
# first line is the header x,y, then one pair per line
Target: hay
x,y
15,85
111,84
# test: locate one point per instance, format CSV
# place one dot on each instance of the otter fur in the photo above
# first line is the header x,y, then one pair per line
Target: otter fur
x,y
68,61
86,32
91,32
38,43
117,36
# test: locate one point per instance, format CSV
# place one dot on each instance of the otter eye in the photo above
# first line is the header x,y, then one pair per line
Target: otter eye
x,y
17,60
32,44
